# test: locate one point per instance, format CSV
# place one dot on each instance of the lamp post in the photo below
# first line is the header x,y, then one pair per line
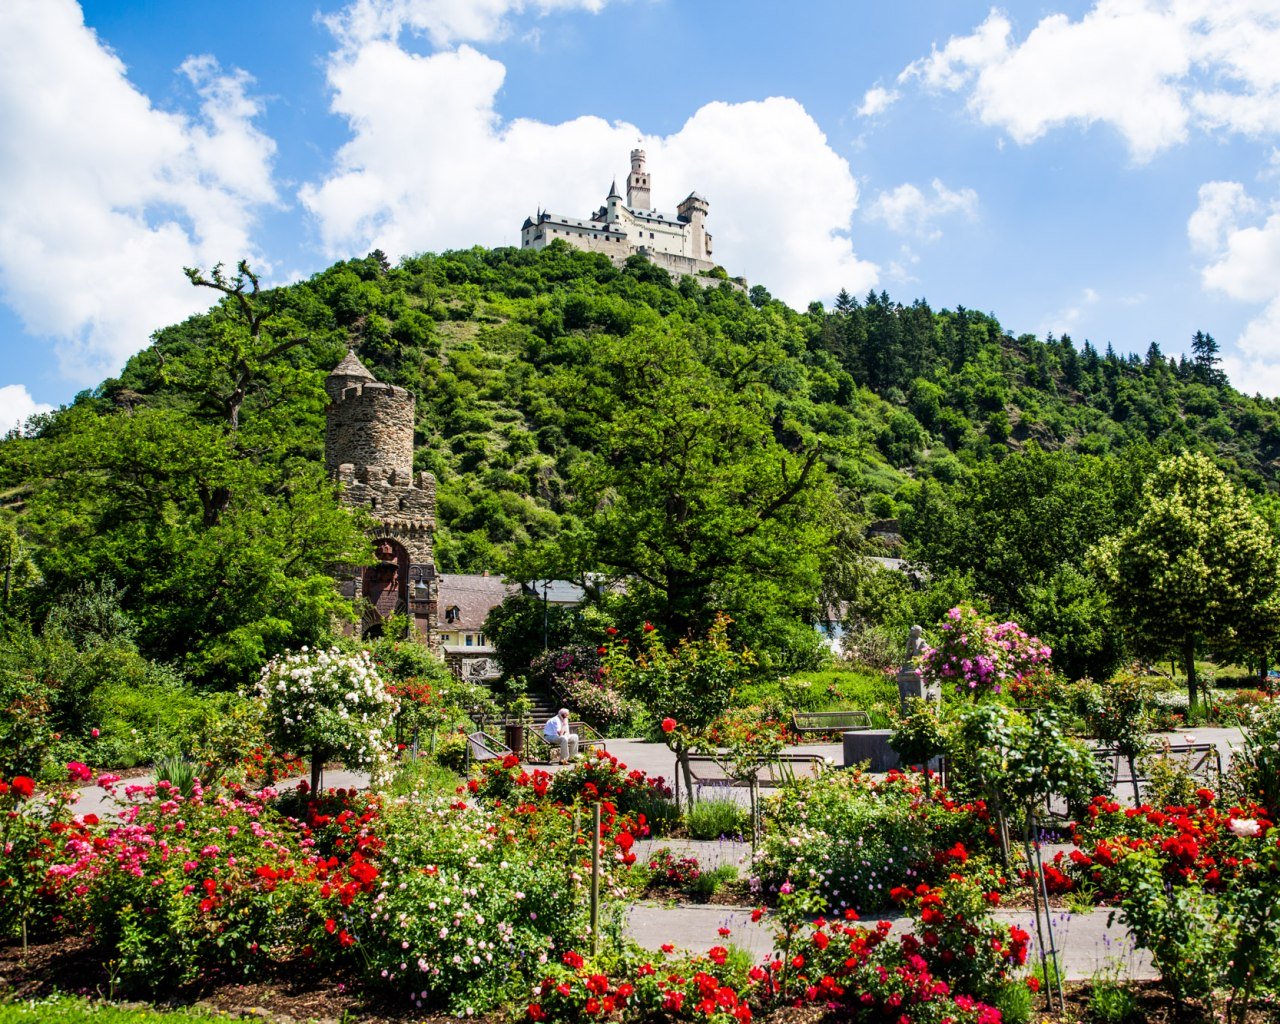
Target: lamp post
x,y
422,579
546,586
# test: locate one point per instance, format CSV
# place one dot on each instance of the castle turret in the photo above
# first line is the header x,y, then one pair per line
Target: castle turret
x,y
369,424
638,183
694,211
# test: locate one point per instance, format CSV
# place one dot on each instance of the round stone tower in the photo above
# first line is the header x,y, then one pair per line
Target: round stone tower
x,y
368,449
369,425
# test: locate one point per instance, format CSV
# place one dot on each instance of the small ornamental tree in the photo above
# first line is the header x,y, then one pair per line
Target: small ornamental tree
x,y
1199,565
979,656
1119,717
686,687
329,704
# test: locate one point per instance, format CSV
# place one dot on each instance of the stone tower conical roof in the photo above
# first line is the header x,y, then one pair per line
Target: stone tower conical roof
x,y
351,367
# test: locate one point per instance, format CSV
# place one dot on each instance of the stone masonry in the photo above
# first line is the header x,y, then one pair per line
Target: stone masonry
x,y
368,449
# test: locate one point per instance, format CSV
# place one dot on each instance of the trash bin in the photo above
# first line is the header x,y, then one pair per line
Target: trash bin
x,y
513,735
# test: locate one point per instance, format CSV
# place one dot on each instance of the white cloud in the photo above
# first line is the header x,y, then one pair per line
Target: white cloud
x,y
953,66
1222,204
877,100
907,210
104,198
1068,319
444,22
16,406
1241,238
432,165
1150,69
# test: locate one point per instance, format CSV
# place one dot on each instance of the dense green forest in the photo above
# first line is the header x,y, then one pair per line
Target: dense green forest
x,y
716,448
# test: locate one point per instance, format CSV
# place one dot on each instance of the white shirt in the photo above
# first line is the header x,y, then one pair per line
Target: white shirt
x,y
553,730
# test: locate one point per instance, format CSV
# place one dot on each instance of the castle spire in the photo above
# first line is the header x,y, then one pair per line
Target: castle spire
x,y
613,190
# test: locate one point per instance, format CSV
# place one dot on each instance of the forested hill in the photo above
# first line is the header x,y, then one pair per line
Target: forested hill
x,y
717,449
895,392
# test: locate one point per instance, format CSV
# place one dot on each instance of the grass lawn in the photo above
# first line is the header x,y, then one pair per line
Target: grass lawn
x,y
75,1010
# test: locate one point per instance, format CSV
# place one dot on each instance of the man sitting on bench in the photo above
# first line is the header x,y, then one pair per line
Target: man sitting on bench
x,y
556,732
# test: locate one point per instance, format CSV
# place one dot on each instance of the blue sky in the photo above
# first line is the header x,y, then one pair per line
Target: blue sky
x,y
1109,170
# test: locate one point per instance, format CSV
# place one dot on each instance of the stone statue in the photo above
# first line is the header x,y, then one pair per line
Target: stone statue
x,y
915,646
910,678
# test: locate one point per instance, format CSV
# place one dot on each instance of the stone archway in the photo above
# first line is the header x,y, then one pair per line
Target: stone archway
x,y
385,584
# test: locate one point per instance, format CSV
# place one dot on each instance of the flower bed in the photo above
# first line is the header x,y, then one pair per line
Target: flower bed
x,y
857,838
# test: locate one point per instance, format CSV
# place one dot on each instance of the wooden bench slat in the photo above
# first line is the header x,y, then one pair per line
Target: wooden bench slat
x,y
829,721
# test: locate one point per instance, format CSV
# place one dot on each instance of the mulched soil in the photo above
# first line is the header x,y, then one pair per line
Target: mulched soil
x,y
727,894
303,994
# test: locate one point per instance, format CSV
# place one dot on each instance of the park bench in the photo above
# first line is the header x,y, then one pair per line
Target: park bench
x,y
538,750
481,746
709,770
805,723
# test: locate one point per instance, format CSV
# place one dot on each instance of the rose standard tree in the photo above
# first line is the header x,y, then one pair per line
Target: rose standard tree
x,y
686,687
329,704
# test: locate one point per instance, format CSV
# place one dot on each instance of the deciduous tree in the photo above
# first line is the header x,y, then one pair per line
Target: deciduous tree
x,y
1198,565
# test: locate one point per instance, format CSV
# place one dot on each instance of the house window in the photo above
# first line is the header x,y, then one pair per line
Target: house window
x,y
468,641
452,614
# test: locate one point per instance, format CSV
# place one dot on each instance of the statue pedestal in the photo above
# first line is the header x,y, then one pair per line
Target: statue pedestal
x,y
870,745
910,684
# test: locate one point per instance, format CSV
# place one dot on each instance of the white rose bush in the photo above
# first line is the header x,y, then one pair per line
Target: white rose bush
x,y
329,704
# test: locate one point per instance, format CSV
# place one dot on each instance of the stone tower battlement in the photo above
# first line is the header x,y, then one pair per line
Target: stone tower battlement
x,y
369,424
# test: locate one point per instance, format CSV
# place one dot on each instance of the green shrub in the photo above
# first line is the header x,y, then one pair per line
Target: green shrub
x,y
708,883
141,721
1014,1001
714,817
451,753
855,839
1111,1002
179,773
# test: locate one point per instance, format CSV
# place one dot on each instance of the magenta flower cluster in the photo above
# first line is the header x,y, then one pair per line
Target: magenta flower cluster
x,y
979,656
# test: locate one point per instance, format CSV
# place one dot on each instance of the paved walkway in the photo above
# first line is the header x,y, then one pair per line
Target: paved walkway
x,y
1085,942
94,800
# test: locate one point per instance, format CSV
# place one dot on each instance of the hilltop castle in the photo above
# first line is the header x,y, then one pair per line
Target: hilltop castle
x,y
678,242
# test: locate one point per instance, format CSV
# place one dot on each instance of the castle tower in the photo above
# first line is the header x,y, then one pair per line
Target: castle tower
x,y
638,183
368,449
694,211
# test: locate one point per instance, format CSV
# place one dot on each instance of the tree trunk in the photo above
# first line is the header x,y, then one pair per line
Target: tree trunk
x,y
317,771
1189,664
682,757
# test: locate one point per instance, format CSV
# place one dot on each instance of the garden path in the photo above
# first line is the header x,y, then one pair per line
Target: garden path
x,y
1086,942
96,801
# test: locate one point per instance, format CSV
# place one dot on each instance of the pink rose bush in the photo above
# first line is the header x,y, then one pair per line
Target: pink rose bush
x,y
978,656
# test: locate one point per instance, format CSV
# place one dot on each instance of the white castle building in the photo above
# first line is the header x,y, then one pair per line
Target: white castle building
x,y
678,242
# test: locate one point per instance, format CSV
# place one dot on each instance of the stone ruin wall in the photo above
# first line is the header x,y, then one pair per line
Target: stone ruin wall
x,y
405,508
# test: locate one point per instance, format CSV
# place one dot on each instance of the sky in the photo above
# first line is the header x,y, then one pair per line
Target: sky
x,y
1107,170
